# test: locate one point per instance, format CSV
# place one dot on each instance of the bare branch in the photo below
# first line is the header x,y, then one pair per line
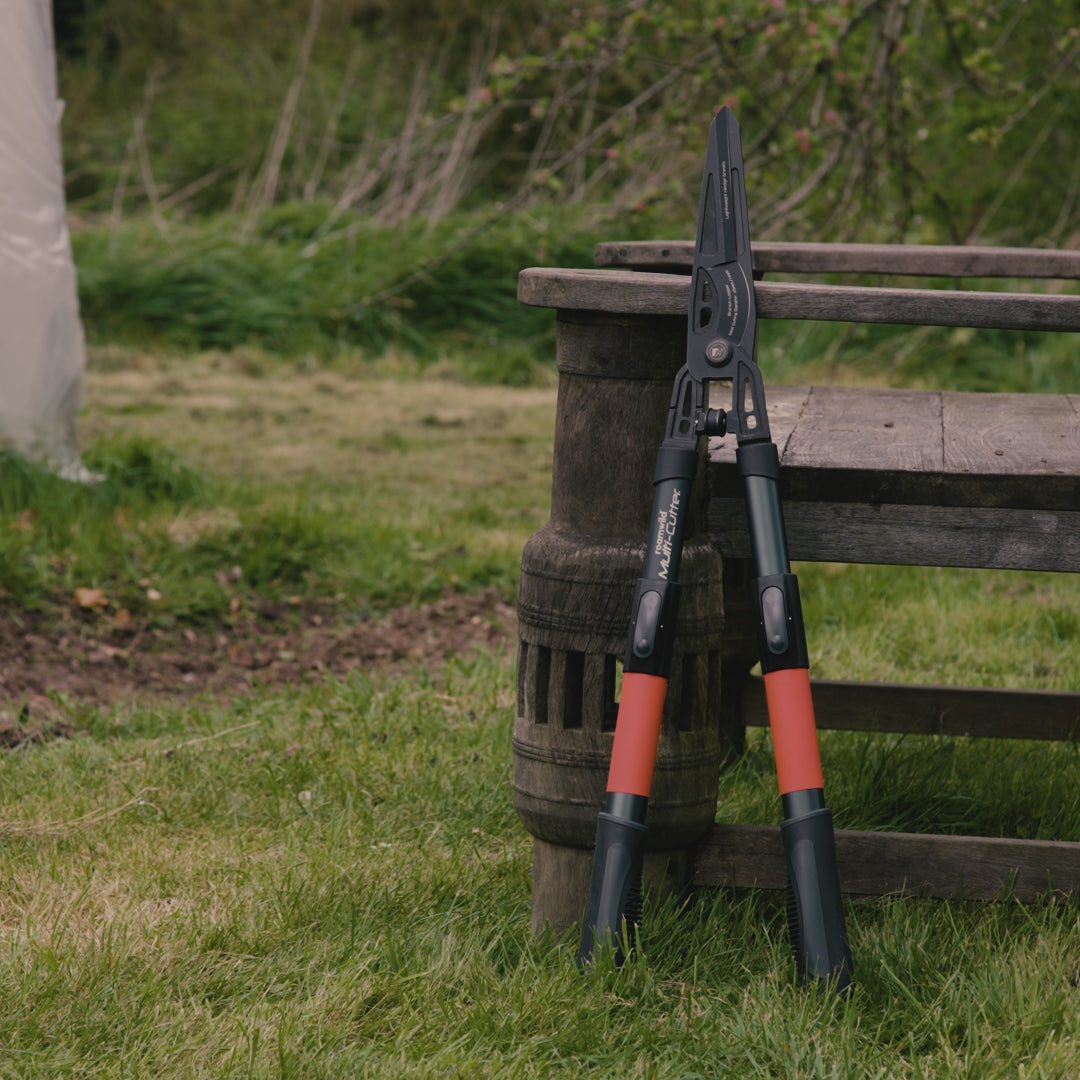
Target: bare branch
x,y
347,82
280,142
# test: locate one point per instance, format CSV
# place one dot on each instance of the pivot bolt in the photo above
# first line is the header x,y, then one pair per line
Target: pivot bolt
x,y
712,422
718,352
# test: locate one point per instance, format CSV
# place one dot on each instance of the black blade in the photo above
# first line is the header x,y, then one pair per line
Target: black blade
x,y
722,318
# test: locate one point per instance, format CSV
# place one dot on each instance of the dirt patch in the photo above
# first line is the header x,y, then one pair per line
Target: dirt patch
x,y
79,658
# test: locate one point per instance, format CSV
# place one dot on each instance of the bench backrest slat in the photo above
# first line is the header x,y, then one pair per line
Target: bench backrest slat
x,y
909,260
629,292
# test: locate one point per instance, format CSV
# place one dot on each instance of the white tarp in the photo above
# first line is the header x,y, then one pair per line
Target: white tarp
x,y
42,349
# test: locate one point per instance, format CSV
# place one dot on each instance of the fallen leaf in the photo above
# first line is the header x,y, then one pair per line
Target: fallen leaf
x,y
94,599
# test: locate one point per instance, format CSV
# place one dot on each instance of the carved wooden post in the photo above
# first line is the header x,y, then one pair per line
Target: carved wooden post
x,y
616,374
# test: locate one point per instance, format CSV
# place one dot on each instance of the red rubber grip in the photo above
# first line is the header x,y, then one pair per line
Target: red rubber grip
x,y
794,733
637,732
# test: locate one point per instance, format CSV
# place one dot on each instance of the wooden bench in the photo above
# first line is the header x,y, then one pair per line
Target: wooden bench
x,y
874,475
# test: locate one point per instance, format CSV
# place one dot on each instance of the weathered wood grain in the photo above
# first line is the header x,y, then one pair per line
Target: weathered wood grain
x,y
874,428
911,535
617,292
979,712
917,307
908,260
875,864
627,292
1028,435
884,446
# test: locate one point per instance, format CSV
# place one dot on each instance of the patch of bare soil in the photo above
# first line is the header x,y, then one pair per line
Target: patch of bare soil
x,y
82,658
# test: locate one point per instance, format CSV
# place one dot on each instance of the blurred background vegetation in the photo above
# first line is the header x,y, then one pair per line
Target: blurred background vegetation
x,y
310,176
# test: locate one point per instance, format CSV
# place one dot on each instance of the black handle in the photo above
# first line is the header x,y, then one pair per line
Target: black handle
x,y
613,910
815,914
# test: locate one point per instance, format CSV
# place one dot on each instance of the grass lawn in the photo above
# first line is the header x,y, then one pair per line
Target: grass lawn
x,y
329,880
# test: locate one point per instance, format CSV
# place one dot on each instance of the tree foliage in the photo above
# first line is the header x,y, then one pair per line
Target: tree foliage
x,y
932,120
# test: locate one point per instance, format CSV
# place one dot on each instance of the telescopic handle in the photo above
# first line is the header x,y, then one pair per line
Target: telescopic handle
x,y
613,908
815,909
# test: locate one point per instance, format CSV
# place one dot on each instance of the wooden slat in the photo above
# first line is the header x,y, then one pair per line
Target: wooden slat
x,y
618,292
849,429
910,260
627,292
884,430
878,863
917,307
981,712
907,535
1026,435
887,446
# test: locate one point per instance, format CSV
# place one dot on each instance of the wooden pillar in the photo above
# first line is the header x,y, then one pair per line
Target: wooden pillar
x,y
577,576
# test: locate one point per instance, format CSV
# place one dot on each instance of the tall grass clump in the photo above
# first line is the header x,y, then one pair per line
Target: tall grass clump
x,y
130,469
57,535
432,292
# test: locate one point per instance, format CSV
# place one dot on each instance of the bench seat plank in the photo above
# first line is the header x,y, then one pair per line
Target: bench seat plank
x,y
874,428
1027,435
882,446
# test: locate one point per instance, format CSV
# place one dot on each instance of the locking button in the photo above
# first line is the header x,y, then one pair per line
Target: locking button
x,y
774,616
646,624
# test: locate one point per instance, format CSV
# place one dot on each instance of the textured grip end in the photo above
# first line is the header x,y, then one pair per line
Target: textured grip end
x,y
613,910
815,911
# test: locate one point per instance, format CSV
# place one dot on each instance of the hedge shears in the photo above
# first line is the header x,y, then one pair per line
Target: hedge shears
x,y
720,349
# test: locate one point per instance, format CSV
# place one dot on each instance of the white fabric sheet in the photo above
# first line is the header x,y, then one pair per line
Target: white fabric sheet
x,y
42,348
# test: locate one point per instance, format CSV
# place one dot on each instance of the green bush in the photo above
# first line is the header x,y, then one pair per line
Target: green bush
x,y
291,292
